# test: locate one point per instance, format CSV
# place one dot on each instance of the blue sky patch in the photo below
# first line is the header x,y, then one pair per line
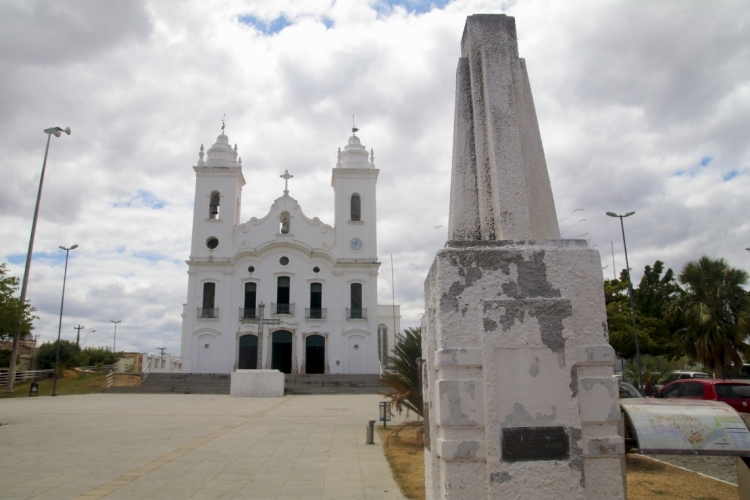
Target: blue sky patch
x,y
706,160
693,171
144,199
385,7
20,258
731,175
266,27
151,257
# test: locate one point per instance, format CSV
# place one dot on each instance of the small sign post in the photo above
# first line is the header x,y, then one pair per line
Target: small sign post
x,y
385,414
34,389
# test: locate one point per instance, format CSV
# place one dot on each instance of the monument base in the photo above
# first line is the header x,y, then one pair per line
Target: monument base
x,y
520,399
257,384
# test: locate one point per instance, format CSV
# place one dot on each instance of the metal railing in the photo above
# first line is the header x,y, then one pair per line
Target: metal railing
x,y
248,313
356,313
145,370
282,309
26,376
208,313
110,379
316,313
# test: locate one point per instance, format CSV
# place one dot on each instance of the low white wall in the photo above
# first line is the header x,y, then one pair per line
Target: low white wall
x,y
257,383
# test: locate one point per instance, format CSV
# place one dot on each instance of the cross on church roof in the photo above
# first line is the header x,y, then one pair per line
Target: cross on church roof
x,y
286,178
354,127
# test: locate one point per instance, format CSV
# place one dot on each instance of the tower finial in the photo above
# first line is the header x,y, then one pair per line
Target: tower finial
x,y
354,128
286,178
223,124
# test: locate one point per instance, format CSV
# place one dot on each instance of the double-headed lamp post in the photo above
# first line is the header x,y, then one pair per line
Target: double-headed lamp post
x,y
632,303
114,344
57,132
59,328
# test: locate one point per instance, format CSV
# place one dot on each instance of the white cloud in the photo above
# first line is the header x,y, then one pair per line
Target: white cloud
x,y
628,95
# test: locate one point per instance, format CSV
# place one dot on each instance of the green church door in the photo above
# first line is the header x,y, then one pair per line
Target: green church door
x,y
281,351
315,354
248,358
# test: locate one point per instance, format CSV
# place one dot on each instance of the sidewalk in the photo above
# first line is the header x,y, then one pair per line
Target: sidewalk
x,y
122,446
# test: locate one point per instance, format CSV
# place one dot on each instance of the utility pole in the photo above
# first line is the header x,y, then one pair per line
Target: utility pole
x,y
162,349
78,335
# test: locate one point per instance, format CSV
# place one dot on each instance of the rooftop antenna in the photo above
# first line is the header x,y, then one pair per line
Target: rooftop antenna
x,y
354,128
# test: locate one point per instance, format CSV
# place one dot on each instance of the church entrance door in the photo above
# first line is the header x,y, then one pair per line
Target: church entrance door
x,y
248,355
356,354
315,354
281,351
206,353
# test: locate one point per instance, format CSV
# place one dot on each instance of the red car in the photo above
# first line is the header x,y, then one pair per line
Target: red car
x,y
735,393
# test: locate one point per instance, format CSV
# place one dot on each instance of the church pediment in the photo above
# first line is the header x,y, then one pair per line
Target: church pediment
x,y
285,223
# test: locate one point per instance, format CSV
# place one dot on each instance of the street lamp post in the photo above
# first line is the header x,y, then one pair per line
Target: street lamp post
x,y
57,131
59,328
632,303
114,344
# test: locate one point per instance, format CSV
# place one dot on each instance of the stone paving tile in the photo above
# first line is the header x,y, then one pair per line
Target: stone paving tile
x,y
308,447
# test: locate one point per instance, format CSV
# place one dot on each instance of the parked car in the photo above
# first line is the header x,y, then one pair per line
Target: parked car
x,y
629,391
681,374
732,392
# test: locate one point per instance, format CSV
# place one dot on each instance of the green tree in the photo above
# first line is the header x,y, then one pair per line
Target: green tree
x,y
715,312
402,376
69,353
101,355
656,370
14,317
656,333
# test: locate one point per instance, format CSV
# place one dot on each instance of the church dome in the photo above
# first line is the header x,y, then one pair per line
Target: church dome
x,y
354,155
221,153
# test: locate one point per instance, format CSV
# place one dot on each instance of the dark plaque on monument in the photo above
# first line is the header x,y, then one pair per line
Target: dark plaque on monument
x,y
523,444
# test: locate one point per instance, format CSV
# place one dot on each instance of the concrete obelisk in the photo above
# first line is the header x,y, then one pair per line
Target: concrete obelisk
x,y
520,397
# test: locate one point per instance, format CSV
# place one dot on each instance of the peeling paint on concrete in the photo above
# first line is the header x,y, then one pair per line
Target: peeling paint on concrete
x,y
489,325
532,279
550,318
603,446
467,450
605,329
521,417
534,368
574,380
500,477
614,413
608,383
451,393
576,454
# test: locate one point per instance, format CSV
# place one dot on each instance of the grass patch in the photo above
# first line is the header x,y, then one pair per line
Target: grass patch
x,y
647,479
405,455
82,384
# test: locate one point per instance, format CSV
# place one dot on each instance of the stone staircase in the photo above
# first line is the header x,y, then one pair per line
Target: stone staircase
x,y
332,384
180,383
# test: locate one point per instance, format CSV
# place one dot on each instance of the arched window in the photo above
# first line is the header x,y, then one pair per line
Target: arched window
x,y
356,214
356,311
284,223
282,295
209,296
213,209
250,292
316,300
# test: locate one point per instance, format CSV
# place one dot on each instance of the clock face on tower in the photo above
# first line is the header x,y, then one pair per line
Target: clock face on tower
x,y
356,245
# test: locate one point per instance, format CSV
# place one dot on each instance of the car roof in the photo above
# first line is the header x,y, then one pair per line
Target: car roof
x,y
710,381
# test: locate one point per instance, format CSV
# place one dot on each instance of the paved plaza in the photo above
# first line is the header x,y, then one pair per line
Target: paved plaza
x,y
133,446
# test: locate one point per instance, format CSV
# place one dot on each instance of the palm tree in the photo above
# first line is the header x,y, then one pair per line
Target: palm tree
x,y
402,376
715,312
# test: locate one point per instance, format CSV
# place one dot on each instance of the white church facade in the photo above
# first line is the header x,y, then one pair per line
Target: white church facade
x,y
285,291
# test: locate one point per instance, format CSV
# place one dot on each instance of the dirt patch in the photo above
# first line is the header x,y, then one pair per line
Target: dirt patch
x,y
649,479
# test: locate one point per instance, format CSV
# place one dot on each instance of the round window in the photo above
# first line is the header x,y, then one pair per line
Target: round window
x,y
212,242
251,269
316,269
284,261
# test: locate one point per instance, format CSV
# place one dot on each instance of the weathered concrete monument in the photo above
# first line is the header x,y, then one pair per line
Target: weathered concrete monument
x,y
520,397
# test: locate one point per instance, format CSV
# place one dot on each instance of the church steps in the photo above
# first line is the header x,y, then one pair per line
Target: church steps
x,y
207,383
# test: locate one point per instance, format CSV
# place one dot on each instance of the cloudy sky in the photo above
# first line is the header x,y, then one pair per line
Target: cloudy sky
x,y
642,106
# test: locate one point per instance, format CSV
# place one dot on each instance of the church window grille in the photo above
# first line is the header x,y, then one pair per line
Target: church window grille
x,y
282,295
209,309
284,223
284,261
356,208
356,301
213,209
316,300
212,242
249,311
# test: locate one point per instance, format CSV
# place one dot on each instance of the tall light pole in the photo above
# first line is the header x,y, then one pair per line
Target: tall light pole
x,y
59,328
114,344
632,303
57,132
78,334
